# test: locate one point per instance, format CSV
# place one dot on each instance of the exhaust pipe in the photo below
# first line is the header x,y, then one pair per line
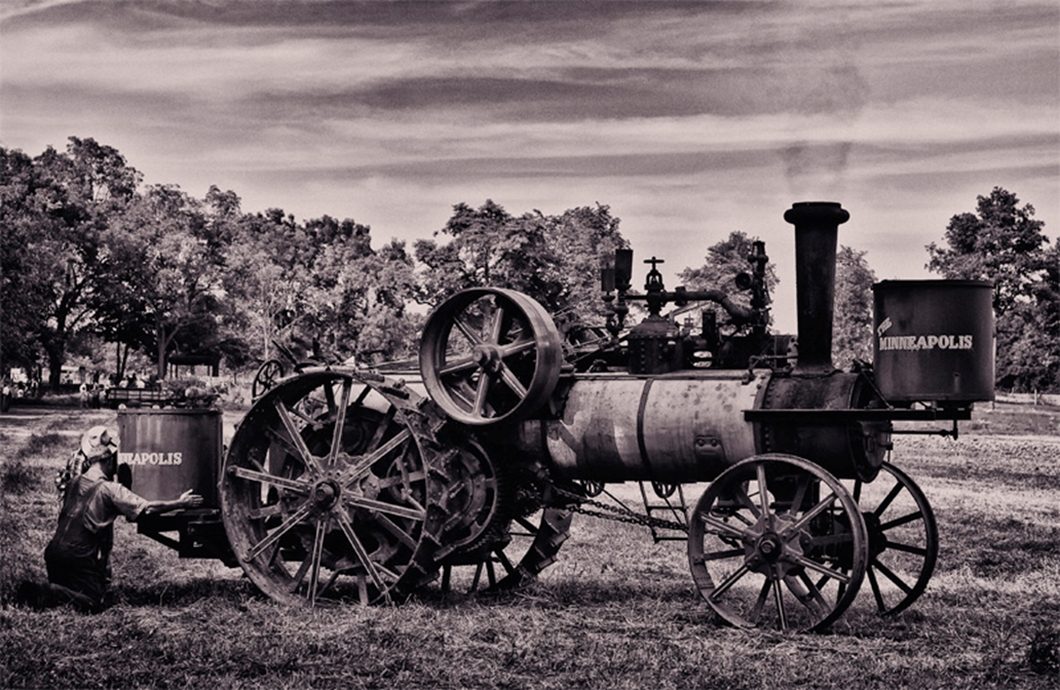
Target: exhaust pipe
x,y
816,231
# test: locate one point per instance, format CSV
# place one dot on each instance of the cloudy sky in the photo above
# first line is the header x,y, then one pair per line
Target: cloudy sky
x,y
689,119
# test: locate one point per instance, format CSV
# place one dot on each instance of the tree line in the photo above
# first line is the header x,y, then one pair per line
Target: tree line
x,y
89,255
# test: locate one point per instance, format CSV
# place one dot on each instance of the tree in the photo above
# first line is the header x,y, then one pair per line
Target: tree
x,y
320,287
60,216
583,239
162,263
1028,335
18,218
852,326
1003,242
723,262
554,259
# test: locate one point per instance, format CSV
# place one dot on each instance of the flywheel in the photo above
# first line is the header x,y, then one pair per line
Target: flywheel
x,y
490,355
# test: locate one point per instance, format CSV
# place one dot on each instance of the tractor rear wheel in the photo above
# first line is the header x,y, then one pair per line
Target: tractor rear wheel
x,y
333,489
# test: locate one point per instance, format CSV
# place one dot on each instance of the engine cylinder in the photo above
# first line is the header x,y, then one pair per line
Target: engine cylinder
x,y
670,428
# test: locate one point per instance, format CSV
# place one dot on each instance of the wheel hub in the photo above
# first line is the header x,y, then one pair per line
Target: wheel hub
x,y
325,494
769,547
770,552
487,356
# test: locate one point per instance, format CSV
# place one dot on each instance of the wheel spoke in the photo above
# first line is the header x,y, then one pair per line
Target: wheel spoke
x,y
340,422
517,348
402,536
760,602
831,539
296,437
527,525
892,577
459,366
876,594
329,398
265,511
810,514
740,495
901,521
722,527
801,486
503,560
728,582
918,550
296,485
388,508
508,376
857,491
813,600
380,430
299,575
496,328
720,555
886,502
359,550
408,476
366,461
778,594
491,575
314,571
822,569
763,492
471,336
275,535
479,407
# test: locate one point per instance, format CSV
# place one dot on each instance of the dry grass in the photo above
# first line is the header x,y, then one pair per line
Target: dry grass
x,y
615,612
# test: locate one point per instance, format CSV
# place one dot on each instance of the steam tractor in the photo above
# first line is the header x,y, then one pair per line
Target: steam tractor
x,y
345,484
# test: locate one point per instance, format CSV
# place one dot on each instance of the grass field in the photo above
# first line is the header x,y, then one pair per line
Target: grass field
x,y
616,611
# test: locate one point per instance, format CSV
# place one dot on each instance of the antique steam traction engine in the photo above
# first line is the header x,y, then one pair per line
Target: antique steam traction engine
x,y
345,484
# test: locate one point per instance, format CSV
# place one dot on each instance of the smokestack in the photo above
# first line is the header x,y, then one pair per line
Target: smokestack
x,y
816,229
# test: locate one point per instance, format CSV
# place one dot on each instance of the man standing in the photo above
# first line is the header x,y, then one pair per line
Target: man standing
x,y
77,556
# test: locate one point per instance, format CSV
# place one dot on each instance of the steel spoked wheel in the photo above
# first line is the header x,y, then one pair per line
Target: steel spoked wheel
x,y
269,374
490,355
903,538
526,546
331,492
776,541
477,502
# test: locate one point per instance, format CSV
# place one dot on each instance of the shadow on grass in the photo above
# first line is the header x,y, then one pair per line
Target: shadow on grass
x,y
183,594
559,594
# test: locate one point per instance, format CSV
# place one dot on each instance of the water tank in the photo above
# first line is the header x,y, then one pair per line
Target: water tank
x,y
171,450
934,340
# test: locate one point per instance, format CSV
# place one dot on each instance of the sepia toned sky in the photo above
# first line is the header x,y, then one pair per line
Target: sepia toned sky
x,y
689,119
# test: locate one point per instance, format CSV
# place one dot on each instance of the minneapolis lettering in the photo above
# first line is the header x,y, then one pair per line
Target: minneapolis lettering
x,y
151,458
926,342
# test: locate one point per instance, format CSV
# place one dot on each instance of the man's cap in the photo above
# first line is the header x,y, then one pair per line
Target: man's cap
x,y
97,442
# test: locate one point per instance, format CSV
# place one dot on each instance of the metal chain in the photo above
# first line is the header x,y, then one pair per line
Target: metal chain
x,y
615,513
